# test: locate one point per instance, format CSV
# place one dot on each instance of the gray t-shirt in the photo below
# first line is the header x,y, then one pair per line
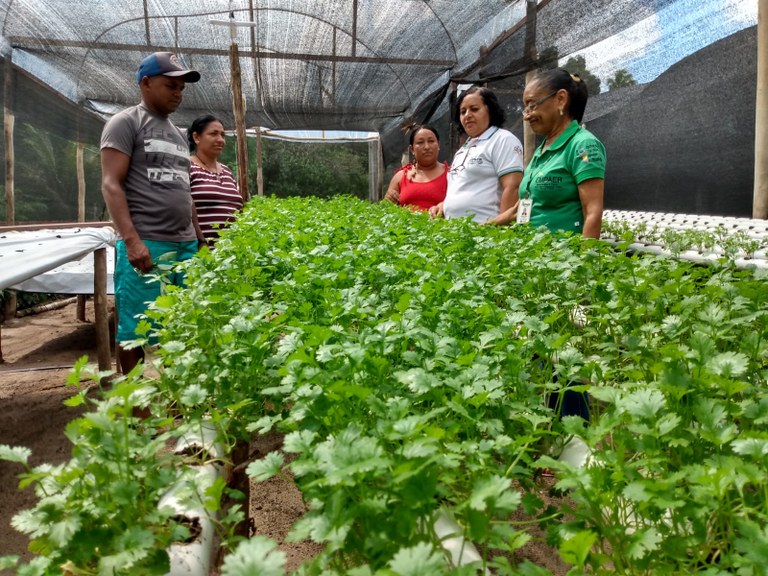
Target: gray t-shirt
x,y
157,183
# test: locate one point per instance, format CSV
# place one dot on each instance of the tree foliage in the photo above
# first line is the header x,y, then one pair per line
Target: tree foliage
x,y
306,169
578,65
45,178
620,79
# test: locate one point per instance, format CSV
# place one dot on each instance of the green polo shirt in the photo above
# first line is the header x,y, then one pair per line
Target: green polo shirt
x,y
552,178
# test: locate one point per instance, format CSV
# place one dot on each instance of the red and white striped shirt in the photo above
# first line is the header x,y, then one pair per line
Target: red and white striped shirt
x,y
216,198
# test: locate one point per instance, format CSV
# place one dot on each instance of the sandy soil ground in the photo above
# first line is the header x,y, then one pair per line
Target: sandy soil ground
x,y
38,351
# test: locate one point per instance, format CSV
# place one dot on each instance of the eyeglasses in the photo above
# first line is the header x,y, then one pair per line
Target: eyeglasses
x,y
532,106
460,167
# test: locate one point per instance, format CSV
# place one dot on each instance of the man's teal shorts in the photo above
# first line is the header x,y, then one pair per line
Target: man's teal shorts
x,y
134,290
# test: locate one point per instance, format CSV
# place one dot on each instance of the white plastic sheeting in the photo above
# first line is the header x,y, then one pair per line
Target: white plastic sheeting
x,y
57,261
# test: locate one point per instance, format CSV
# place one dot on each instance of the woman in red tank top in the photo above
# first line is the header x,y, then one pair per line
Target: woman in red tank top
x,y
422,184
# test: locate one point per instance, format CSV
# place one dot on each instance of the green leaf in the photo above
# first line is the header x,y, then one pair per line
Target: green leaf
x,y
18,454
488,489
637,492
576,549
299,442
269,466
729,364
644,542
8,562
194,395
419,560
755,447
257,556
646,403
418,380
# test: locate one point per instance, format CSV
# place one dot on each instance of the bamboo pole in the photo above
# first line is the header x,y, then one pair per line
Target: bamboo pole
x,y
100,309
8,124
760,197
239,109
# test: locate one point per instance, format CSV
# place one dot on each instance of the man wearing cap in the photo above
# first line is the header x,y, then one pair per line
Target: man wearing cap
x,y
145,184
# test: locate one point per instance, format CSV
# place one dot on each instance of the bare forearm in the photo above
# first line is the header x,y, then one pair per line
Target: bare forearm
x,y
510,185
592,225
114,197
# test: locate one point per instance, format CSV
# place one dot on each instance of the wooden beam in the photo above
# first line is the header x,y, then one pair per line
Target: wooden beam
x,y
354,28
32,44
52,226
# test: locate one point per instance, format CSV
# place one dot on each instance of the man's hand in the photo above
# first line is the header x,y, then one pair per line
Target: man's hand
x,y
138,255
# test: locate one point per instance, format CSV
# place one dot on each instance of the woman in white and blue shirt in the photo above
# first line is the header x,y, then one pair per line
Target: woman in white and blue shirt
x,y
486,171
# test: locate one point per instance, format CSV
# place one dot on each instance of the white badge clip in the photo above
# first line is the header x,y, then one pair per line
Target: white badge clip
x,y
524,211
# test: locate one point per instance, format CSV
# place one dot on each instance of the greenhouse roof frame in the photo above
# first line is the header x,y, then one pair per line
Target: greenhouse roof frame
x,y
322,64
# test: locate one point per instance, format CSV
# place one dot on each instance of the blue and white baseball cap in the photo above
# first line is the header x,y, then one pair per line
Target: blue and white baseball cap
x,y
165,64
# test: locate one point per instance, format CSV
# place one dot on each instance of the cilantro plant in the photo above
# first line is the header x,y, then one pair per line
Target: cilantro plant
x,y
98,512
417,369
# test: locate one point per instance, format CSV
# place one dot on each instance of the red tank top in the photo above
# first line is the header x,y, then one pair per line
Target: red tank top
x,y
422,195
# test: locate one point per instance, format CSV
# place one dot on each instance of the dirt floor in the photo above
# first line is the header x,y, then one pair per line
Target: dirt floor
x,y
38,351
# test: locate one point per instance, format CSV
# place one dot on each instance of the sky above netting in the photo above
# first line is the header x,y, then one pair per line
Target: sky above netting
x,y
649,47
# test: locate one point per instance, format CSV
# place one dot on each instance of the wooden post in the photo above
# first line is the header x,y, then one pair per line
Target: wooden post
x,y
259,164
100,309
372,161
79,159
379,169
529,138
239,109
453,130
8,123
80,182
80,310
760,199
9,310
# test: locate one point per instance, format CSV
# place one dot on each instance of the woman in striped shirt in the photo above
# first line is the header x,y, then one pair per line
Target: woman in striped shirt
x,y
214,190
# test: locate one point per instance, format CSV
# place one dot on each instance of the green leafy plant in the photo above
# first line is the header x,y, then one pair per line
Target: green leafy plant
x,y
98,512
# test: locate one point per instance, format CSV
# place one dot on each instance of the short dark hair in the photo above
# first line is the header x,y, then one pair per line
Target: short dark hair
x,y
419,127
495,111
198,126
560,79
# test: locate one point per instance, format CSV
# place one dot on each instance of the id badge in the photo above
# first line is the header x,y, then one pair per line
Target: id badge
x,y
524,211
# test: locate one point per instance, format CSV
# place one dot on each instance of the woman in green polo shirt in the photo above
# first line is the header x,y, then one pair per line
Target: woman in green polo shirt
x,y
562,186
